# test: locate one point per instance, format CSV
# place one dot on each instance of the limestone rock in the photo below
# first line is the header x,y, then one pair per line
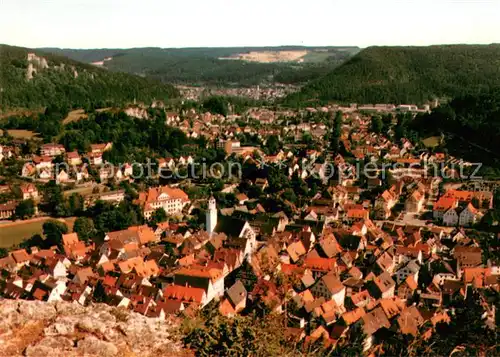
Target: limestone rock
x,y
92,346
34,328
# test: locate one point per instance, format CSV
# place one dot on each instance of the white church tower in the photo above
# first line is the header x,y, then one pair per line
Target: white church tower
x,y
211,216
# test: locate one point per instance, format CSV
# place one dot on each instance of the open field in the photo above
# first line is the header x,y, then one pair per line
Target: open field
x,y
21,134
15,232
84,191
75,115
103,110
270,56
432,141
316,56
19,112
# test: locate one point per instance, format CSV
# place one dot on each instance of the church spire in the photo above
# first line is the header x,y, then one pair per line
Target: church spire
x,y
211,215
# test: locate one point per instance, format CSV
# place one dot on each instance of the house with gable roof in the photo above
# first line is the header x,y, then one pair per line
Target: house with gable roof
x,y
463,216
186,294
211,280
29,191
330,287
415,202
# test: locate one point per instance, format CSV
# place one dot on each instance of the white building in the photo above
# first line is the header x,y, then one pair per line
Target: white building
x,y
211,215
172,200
463,217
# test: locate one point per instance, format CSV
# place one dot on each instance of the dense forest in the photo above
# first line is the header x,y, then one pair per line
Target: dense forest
x,y
407,75
196,66
63,82
473,119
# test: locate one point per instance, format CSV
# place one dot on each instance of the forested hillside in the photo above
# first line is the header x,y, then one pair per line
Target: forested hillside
x,y
196,66
45,79
471,119
407,75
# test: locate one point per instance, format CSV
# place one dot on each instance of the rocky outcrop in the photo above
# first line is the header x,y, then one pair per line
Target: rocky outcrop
x,y
33,328
136,112
35,63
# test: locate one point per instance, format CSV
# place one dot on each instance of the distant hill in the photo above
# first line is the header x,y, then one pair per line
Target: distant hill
x,y
218,66
34,79
407,75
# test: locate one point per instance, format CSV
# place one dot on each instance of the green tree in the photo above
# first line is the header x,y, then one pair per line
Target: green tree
x,y
25,209
53,231
85,229
387,122
273,144
336,133
158,216
401,129
53,196
108,218
289,195
216,105
376,124
3,252
75,204
277,179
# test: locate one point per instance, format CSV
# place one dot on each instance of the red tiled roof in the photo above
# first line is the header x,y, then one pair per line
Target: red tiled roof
x,y
201,272
39,294
444,203
154,193
184,293
70,238
358,213
20,256
323,264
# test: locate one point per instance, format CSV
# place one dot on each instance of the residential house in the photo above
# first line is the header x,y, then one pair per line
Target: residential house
x,y
186,294
462,216
211,280
8,209
354,215
95,158
384,203
467,257
415,202
49,290
330,287
29,191
73,158
410,320
468,216
42,162
62,177
385,285
237,296
52,150
100,148
73,247
374,321
119,240
409,269
240,232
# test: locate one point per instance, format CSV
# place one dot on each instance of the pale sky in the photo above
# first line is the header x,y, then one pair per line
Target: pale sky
x,y
210,23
